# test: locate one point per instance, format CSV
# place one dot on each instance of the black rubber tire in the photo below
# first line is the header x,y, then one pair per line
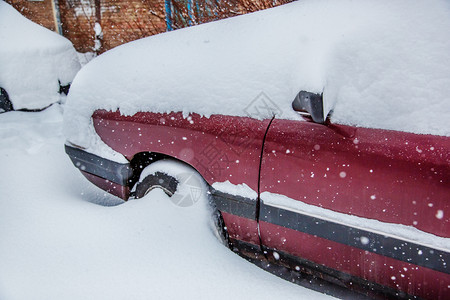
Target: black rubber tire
x,y
64,89
5,103
222,229
160,180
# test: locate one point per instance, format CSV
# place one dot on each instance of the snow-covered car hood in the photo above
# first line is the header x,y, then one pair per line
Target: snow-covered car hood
x,y
379,64
32,61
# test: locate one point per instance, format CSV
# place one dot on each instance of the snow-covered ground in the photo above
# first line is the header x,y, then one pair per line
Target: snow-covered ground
x,y
58,242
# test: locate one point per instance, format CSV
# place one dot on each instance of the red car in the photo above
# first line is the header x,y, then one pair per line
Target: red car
x,y
355,190
362,206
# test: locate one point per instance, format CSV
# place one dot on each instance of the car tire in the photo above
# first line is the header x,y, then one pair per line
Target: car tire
x,y
183,184
5,103
160,180
221,229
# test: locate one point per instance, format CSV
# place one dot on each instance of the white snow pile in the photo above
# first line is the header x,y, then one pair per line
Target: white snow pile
x,y
32,61
382,64
241,190
56,244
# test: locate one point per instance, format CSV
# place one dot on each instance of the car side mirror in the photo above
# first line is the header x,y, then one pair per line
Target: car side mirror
x,y
310,104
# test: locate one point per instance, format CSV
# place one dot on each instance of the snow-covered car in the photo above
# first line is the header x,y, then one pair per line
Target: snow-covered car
x,y
321,129
36,64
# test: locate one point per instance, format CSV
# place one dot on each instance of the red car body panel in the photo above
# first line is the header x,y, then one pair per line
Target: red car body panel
x,y
220,148
393,177
390,176
353,262
111,187
240,228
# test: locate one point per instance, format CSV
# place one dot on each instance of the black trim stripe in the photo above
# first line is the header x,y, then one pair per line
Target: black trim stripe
x,y
96,165
235,205
406,251
365,240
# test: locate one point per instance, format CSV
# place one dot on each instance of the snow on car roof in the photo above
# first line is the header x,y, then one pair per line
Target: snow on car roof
x,y
381,64
32,61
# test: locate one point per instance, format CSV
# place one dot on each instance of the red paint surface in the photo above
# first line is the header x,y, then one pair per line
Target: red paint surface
x,y
118,190
220,148
390,176
412,279
241,228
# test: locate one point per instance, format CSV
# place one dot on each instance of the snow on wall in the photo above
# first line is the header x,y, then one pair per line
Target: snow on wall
x,y
32,60
380,64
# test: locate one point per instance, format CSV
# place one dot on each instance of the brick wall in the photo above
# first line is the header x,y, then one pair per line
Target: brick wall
x,y
77,22
125,21
122,21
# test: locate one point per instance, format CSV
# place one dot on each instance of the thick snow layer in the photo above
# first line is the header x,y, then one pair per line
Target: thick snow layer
x,y
379,64
32,61
56,243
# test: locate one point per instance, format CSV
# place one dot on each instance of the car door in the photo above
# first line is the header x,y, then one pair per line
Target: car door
x,y
356,201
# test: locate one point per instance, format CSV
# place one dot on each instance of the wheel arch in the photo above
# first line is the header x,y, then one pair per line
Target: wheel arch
x,y
143,159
